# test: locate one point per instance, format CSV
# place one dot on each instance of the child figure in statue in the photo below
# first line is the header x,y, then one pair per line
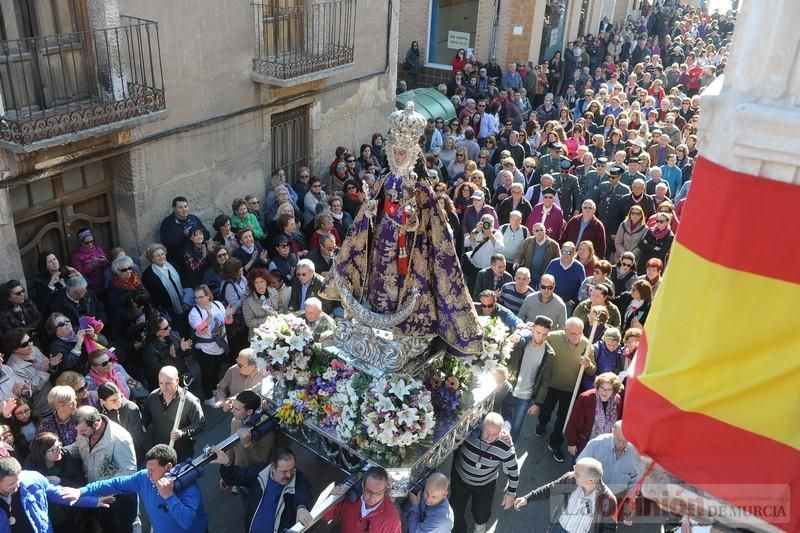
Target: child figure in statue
x,y
401,243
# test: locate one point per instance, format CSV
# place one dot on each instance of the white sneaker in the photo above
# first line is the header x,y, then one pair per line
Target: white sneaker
x,y
212,402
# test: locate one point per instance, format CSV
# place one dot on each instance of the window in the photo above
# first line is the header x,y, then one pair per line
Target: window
x,y
290,137
453,24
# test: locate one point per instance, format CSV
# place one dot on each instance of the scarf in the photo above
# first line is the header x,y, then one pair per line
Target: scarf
x,y
604,419
338,217
632,308
172,283
113,377
129,285
660,233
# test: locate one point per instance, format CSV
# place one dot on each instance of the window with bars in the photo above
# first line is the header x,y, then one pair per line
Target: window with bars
x,y
290,141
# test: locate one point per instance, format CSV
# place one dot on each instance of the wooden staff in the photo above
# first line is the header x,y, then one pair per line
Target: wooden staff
x,y
580,376
178,414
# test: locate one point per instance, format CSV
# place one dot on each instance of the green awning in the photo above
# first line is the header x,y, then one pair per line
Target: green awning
x,y
429,102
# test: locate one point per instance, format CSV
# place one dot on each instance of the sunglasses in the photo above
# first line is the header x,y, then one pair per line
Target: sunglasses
x,y
223,254
18,293
487,306
546,287
103,363
128,269
567,252
62,323
88,243
24,344
627,265
165,328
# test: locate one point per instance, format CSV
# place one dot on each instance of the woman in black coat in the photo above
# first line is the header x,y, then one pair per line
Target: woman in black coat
x,y
657,242
634,305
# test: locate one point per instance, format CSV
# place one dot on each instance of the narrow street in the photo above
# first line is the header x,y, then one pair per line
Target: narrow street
x,y
537,467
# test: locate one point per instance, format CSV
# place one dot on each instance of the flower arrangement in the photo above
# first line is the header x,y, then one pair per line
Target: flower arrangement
x,y
325,388
446,381
295,408
496,347
397,411
285,345
347,400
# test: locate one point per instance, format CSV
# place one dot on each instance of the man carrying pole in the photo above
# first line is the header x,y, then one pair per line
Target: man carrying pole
x,y
573,355
173,415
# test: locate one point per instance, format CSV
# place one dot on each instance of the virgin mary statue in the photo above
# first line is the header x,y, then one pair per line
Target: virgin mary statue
x,y
399,257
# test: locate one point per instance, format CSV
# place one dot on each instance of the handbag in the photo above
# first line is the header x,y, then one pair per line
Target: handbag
x,y
467,266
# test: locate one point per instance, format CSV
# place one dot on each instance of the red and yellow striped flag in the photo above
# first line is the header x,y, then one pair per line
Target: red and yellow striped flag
x,y
716,397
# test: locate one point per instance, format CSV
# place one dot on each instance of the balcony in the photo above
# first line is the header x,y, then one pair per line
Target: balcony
x,y
298,41
62,88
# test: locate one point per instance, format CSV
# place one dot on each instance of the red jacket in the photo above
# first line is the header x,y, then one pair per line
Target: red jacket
x,y
594,232
581,420
384,519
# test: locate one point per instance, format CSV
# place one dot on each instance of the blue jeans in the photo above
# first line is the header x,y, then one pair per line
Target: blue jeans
x,y
518,414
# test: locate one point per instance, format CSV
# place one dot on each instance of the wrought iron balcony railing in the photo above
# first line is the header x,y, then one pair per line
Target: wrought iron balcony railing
x,y
299,38
62,84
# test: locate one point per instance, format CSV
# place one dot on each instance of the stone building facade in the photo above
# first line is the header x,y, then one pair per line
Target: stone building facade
x,y
113,107
511,30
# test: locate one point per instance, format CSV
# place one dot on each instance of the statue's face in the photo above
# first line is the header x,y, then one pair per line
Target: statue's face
x,y
400,156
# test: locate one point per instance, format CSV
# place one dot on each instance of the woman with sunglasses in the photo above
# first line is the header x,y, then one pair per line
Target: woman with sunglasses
x,y
623,274
102,369
63,339
30,365
657,242
630,232
17,310
90,260
48,458
125,281
165,347
213,274
77,382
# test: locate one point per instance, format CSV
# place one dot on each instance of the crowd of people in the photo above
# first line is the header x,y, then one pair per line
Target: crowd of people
x,y
563,185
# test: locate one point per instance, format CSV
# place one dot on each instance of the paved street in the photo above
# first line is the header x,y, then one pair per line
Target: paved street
x,y
537,466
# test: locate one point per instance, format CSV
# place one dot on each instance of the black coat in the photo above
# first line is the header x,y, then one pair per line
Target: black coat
x,y
624,301
88,306
651,247
28,318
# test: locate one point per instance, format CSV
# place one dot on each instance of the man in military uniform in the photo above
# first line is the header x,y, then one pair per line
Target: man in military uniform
x,y
548,164
609,206
590,187
634,171
568,188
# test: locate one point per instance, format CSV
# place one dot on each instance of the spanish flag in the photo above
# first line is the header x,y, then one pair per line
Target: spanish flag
x,y
716,395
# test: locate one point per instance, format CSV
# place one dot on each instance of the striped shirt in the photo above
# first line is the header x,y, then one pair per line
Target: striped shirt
x,y
578,515
479,462
510,298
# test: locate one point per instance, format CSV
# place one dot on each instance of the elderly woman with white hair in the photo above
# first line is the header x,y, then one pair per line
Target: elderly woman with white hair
x,y
125,281
583,502
163,282
76,301
63,402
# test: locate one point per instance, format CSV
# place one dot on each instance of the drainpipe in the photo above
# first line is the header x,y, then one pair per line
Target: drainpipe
x,y
495,24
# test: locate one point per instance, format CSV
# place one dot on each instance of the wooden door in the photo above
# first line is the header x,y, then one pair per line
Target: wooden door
x,y
49,213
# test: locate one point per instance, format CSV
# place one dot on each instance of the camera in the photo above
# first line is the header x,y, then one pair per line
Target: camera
x,y
486,225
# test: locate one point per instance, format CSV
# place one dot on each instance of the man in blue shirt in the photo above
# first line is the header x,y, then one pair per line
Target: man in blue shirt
x,y
430,512
279,495
168,512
